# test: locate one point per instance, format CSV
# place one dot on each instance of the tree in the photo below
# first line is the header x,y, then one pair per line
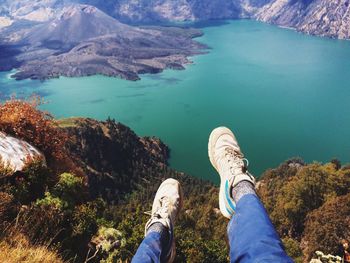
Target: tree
x,y
326,225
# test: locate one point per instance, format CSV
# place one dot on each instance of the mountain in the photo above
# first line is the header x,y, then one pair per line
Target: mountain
x,y
329,18
138,11
318,17
77,23
169,10
35,10
83,40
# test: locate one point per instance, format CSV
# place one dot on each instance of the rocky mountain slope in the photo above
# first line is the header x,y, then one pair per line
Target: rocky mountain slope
x,y
329,18
133,11
316,17
169,10
320,17
85,41
35,10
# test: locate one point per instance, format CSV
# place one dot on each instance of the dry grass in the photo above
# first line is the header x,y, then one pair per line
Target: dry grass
x,y
68,122
17,249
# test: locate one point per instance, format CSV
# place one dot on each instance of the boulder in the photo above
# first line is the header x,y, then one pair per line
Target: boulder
x,y
15,154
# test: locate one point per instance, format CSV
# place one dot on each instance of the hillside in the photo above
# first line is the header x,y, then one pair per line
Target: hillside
x,y
82,40
316,17
99,177
112,177
77,23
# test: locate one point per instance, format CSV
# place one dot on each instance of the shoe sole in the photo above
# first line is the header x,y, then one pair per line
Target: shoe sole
x,y
173,247
214,136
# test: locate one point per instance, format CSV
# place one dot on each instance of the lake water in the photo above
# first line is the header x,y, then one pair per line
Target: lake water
x,y
284,94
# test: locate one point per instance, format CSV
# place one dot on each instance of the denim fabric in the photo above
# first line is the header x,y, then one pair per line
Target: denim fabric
x,y
150,249
252,237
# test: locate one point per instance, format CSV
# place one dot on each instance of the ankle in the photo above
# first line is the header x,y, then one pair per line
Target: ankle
x,y
241,189
165,238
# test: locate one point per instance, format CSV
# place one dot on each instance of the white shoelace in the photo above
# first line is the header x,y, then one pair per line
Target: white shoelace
x,y
236,162
163,210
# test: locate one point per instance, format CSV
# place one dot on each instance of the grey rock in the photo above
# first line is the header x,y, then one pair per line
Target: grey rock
x,y
330,18
15,154
85,41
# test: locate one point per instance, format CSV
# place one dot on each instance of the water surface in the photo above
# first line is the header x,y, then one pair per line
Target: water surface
x,y
284,94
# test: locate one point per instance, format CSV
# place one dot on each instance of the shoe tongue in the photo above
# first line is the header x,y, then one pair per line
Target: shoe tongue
x,y
163,209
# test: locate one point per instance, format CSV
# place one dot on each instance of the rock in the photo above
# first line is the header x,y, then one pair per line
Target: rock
x,y
15,153
330,18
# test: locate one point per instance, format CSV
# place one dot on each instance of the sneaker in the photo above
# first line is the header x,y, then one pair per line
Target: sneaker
x,y
166,206
228,160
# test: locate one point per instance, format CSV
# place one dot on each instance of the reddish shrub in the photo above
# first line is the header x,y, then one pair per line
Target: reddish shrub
x,y
23,120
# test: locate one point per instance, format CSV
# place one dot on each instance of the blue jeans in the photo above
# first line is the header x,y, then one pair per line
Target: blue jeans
x,y
251,234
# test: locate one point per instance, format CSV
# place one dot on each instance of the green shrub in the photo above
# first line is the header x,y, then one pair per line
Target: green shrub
x,y
50,200
70,189
293,249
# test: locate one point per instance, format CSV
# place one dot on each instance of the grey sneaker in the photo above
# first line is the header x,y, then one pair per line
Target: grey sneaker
x,y
166,206
228,160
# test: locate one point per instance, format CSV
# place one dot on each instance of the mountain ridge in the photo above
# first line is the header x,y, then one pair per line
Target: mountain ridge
x,y
84,41
317,17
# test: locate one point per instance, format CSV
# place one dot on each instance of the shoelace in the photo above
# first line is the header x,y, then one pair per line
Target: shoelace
x,y
236,161
162,212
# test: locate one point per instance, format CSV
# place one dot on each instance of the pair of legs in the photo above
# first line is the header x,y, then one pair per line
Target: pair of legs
x,y
251,235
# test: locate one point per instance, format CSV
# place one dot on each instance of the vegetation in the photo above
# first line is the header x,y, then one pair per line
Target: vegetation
x,y
24,121
17,248
309,205
91,206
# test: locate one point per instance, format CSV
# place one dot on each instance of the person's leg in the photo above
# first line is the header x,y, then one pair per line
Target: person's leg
x,y
159,244
156,241
251,234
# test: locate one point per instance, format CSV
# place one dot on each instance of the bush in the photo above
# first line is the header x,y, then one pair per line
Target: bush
x,y
23,120
326,226
293,249
70,189
8,208
84,220
30,184
51,201
41,223
289,199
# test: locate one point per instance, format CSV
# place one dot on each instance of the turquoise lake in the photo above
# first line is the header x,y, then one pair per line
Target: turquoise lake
x,y
283,93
